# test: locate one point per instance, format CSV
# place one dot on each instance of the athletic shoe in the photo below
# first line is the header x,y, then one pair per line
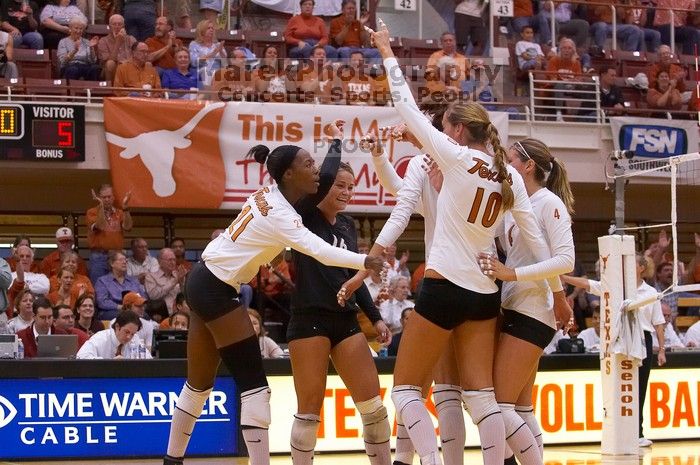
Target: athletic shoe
x,y
168,460
644,442
510,461
396,462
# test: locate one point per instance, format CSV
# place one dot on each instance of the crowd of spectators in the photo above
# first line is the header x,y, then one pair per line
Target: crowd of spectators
x,y
136,293
333,61
58,295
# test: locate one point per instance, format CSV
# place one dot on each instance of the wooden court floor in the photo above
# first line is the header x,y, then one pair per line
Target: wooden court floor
x,y
662,453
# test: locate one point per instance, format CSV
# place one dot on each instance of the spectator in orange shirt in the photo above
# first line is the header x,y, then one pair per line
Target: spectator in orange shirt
x,y
447,68
106,225
358,86
81,283
564,67
664,95
179,249
63,295
65,242
675,71
163,45
234,81
304,31
349,35
137,73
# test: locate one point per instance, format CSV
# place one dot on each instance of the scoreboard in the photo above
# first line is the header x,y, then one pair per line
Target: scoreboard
x,y
32,131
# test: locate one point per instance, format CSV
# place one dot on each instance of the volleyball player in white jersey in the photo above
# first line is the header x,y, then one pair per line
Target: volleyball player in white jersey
x,y
416,193
456,296
220,329
528,320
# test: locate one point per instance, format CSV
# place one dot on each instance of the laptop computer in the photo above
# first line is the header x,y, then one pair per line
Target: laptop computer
x,y
172,348
57,345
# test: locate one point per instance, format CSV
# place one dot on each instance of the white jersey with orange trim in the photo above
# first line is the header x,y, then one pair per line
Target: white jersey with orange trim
x,y
529,296
469,205
415,194
266,225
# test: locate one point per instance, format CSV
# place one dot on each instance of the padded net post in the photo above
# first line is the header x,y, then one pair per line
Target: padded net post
x,y
619,373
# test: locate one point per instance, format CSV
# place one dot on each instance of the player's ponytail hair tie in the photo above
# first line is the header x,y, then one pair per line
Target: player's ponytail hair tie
x,y
278,161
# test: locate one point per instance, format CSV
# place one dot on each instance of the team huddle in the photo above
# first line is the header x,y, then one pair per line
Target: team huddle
x,y
478,347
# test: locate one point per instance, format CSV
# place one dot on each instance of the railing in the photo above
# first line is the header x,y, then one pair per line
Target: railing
x,y
11,95
672,12
546,94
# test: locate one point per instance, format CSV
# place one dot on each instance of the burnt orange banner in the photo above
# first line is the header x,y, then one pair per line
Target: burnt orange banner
x,y
165,153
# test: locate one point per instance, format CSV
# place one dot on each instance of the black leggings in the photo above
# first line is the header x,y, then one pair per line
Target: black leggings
x,y
644,371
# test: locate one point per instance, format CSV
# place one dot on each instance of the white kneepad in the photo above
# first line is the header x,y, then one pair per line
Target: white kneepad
x,y
404,395
192,400
480,404
255,407
375,421
304,430
511,419
447,395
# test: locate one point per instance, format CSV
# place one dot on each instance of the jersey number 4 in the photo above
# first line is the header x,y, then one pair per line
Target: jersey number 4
x,y
491,210
239,224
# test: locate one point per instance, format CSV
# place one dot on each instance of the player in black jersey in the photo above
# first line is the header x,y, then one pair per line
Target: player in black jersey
x,y
220,329
319,327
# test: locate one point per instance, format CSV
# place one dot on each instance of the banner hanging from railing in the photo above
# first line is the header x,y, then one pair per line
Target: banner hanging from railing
x,y
654,138
174,154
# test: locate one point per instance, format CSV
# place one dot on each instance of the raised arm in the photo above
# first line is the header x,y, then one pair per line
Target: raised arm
x,y
408,199
327,174
388,177
444,150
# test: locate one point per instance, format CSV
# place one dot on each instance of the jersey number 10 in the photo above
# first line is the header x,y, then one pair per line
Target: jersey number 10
x,y
493,207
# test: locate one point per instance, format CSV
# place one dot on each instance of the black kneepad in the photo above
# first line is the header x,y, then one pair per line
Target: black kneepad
x,y
244,362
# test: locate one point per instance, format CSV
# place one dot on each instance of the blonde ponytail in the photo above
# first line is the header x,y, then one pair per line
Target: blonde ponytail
x,y
500,159
476,120
558,182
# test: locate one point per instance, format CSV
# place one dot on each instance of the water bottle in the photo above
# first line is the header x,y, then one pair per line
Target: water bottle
x,y
20,349
142,350
383,352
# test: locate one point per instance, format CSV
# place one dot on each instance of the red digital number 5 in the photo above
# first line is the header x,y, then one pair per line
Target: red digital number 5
x,y
65,134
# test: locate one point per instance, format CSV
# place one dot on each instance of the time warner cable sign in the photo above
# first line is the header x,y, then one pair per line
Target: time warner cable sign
x,y
103,417
654,138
